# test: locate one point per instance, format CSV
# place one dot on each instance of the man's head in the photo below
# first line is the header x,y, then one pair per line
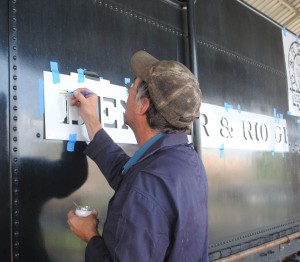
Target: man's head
x,y
173,91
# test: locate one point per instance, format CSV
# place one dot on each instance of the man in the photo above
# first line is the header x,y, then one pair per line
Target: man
x,y
159,209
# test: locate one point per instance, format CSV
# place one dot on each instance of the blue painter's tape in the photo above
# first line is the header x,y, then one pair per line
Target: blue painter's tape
x,y
273,152
41,96
222,151
239,108
127,84
227,106
275,112
71,142
282,154
80,72
55,72
126,80
54,66
298,121
284,30
277,118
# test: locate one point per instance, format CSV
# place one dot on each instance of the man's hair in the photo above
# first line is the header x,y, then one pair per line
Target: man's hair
x,y
155,120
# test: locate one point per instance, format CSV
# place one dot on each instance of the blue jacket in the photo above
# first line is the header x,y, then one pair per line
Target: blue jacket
x,y
159,209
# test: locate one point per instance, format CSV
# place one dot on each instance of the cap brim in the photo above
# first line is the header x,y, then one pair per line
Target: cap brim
x,y
141,62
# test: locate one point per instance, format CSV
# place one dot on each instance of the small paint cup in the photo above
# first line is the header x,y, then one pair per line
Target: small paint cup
x,y
84,211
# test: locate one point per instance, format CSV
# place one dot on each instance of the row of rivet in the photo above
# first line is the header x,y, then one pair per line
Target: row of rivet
x,y
240,57
13,102
277,228
141,18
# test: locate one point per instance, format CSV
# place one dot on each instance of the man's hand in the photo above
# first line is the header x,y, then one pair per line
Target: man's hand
x,y
87,107
83,227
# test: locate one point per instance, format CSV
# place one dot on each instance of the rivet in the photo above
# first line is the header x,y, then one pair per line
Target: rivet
x,y
15,118
16,222
15,149
15,77
15,67
38,135
15,108
16,244
16,191
15,128
14,29
14,37
14,19
14,48
16,233
15,87
14,9
14,57
15,97
15,159
15,139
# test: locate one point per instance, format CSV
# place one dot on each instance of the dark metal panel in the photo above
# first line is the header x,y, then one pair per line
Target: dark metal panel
x,y
252,194
100,36
5,204
241,57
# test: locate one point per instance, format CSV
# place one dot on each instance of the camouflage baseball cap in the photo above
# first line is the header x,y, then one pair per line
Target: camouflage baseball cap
x,y
173,89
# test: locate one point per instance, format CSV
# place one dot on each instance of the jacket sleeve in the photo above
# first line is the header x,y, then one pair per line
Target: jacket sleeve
x,y
108,156
96,251
135,230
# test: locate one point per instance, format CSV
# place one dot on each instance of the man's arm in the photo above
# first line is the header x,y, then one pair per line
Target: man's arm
x,y
108,156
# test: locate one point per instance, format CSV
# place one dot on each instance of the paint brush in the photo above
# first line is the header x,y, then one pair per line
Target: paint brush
x,y
71,92
75,203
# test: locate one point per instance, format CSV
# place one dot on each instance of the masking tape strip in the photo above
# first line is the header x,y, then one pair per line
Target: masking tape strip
x,y
126,80
284,30
55,72
222,151
80,72
227,106
71,142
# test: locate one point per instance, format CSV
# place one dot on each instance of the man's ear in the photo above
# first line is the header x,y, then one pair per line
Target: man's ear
x,y
144,105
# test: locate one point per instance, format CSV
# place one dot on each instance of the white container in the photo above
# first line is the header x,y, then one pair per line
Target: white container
x,y
83,211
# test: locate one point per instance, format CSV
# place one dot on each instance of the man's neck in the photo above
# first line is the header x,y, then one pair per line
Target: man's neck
x,y
143,135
